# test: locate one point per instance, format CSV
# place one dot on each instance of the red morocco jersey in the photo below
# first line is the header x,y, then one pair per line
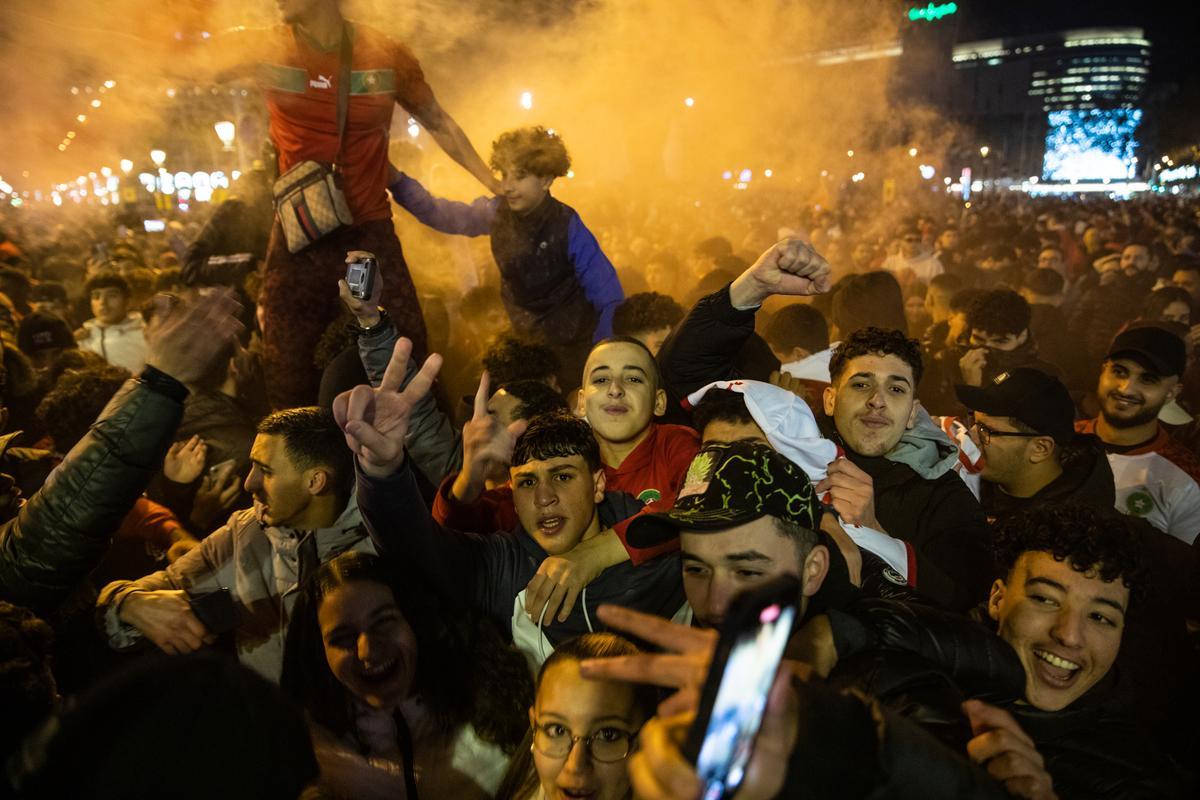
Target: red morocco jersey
x,y
300,83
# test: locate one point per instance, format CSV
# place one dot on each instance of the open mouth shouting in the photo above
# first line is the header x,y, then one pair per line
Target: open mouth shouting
x,y
551,525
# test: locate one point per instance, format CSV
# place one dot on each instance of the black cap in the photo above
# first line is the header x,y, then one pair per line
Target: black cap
x,y
729,485
1029,396
1154,348
41,331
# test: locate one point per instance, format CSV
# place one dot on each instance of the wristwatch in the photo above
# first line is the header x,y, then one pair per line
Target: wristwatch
x,y
384,322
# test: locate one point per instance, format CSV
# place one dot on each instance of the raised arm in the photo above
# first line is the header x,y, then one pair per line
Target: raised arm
x,y
64,530
376,422
596,275
447,216
704,347
454,142
433,442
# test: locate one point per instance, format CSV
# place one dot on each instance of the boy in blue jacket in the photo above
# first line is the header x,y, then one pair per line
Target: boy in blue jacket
x,y
557,285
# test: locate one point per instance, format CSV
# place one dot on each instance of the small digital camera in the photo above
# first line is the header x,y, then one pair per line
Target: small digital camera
x,y
360,277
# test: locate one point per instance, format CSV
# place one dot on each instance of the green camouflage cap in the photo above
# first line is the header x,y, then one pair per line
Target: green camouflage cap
x,y
729,485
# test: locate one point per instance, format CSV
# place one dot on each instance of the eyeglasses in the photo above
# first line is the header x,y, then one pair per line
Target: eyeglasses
x,y
986,433
605,745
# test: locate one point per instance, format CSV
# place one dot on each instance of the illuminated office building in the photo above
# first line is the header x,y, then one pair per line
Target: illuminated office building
x,y
1064,106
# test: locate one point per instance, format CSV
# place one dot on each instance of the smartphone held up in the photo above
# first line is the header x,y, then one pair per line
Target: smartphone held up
x,y
734,699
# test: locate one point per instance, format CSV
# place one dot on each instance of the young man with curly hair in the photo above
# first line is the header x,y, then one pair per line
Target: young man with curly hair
x,y
557,285
897,473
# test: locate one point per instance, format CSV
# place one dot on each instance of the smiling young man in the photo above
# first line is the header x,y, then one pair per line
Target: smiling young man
x,y
1156,478
897,475
557,285
620,398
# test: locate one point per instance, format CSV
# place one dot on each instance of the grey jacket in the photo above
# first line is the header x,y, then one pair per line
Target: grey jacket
x,y
263,568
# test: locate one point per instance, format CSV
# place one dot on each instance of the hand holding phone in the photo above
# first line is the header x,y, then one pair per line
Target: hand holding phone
x,y
734,699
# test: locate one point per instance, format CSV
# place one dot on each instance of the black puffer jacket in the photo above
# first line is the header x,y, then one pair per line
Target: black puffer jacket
x,y
1092,748
62,532
714,342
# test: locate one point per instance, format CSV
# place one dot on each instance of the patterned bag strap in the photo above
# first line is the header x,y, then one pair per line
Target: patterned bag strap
x,y
343,95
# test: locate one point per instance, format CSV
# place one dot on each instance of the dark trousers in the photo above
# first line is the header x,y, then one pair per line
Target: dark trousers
x,y
300,300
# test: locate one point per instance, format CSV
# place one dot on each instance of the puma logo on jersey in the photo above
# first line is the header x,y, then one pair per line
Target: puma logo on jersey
x,y
321,83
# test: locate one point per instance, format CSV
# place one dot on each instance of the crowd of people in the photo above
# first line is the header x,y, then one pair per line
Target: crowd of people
x,y
474,537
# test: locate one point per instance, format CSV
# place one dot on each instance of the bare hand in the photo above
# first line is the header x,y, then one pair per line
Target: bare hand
x,y
852,493
181,547
560,579
971,366
659,771
165,618
796,386
215,497
683,666
185,460
789,267
375,420
1007,752
487,446
185,342
365,311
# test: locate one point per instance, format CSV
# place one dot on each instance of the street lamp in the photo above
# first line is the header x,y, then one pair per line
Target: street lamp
x,y
225,132
526,100
159,157
126,166
983,151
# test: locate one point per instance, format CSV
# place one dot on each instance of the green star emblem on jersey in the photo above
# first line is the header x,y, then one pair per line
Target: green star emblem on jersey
x,y
1139,504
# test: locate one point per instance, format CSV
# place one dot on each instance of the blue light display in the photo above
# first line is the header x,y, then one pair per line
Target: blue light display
x,y
1091,145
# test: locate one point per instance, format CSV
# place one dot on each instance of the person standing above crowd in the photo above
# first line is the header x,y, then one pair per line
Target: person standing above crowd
x,y
558,286
302,67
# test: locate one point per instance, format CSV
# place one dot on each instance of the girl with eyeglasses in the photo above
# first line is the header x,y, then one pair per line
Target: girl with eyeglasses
x,y
580,731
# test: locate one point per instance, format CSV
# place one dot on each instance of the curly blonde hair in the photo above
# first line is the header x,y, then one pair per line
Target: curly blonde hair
x,y
535,150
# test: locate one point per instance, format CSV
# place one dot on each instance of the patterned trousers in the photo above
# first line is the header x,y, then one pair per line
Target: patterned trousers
x,y
300,300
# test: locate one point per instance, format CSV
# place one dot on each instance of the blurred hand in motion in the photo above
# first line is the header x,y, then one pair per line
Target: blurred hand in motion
x,y
487,446
375,420
185,341
790,267
1007,752
366,312
165,618
215,497
185,460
